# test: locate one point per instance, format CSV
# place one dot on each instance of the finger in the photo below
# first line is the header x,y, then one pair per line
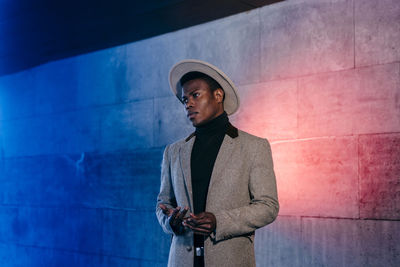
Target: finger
x,y
196,226
175,212
165,210
203,220
201,231
197,216
191,223
183,213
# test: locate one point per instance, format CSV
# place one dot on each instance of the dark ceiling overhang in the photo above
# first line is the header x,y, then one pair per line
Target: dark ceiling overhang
x,y
36,32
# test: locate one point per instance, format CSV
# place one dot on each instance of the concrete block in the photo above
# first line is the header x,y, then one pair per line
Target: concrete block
x,y
379,243
126,235
171,123
148,63
305,37
63,228
132,262
50,180
12,255
122,180
25,256
280,244
232,44
9,230
331,242
68,132
350,102
24,137
127,126
379,161
16,95
317,177
269,109
56,86
377,35
101,77
76,131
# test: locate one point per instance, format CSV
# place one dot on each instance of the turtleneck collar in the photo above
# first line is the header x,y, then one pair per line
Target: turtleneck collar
x,y
217,125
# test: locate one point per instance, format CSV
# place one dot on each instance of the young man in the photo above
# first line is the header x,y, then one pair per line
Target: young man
x,y
217,185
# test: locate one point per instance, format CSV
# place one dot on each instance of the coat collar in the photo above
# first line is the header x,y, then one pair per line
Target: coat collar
x,y
231,130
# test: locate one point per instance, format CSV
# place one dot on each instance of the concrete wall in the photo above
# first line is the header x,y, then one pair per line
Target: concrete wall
x,y
81,139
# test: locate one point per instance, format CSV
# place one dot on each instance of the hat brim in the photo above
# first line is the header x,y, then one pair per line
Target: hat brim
x,y
231,102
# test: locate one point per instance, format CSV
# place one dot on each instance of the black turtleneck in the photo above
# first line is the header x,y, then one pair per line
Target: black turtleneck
x,y
208,141
209,138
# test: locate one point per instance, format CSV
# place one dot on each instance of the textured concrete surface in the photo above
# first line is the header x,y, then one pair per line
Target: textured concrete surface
x,y
148,63
171,123
134,234
127,126
364,100
379,163
67,132
334,242
280,244
379,243
111,180
56,86
89,179
81,139
42,181
75,229
305,37
231,43
101,78
20,92
26,256
269,109
331,242
377,31
317,177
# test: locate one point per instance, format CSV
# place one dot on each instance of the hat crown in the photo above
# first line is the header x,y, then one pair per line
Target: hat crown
x,y
231,102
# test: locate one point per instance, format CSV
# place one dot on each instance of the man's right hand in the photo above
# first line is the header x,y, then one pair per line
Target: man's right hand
x,y
176,217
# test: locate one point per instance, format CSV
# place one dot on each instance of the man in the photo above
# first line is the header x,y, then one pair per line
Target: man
x,y
217,185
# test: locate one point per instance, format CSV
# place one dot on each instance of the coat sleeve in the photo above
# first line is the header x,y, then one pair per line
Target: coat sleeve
x,y
166,195
263,207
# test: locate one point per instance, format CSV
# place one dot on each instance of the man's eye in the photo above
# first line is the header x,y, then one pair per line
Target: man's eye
x,y
195,94
184,100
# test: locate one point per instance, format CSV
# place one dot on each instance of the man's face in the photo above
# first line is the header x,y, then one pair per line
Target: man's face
x,y
201,104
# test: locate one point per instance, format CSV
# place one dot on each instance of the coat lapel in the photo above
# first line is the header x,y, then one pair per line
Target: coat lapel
x,y
185,155
224,154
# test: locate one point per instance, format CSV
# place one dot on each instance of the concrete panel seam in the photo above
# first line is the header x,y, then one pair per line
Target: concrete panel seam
x,y
332,218
310,139
358,177
77,252
354,35
83,207
379,134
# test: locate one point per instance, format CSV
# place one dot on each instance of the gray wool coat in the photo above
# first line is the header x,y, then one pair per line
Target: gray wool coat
x,y
242,195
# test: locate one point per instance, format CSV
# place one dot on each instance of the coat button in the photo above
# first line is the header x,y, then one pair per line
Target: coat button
x,y
189,248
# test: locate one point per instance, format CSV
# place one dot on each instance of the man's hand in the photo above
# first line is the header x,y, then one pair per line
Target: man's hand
x,y
203,223
176,217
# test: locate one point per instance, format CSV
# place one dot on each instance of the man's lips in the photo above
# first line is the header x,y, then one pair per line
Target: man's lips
x,y
191,114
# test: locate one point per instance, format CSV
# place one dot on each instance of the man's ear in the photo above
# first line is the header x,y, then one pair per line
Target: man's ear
x,y
219,95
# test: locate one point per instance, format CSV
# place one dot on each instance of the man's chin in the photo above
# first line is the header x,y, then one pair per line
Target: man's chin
x,y
195,123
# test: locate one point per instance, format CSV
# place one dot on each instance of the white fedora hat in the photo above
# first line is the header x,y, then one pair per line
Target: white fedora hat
x,y
231,102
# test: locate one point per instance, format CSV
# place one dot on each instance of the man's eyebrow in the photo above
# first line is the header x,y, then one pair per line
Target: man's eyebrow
x,y
191,92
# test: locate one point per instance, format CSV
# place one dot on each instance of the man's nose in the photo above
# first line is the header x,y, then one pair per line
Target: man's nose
x,y
189,103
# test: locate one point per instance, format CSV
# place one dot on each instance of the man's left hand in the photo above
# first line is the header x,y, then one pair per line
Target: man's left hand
x,y
203,223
